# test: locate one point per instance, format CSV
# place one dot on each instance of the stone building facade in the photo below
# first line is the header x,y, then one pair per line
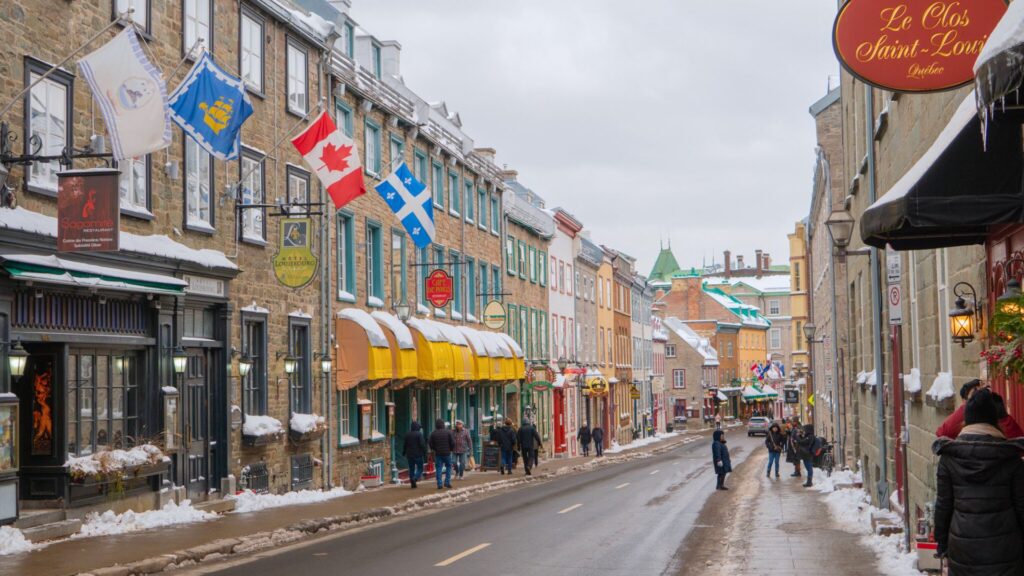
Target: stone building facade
x,y
691,371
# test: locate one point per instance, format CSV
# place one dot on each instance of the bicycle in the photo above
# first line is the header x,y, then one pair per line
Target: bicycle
x,y
826,459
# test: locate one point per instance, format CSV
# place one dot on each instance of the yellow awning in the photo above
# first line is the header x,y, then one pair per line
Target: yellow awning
x,y
404,363
435,360
515,368
498,355
363,350
462,356
481,358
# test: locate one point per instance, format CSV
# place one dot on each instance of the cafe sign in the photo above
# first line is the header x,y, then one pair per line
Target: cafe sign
x,y
440,288
295,264
914,45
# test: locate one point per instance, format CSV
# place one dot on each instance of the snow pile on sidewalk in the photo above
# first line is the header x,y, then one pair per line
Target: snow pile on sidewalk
x,y
852,510
249,501
839,477
12,541
109,523
616,448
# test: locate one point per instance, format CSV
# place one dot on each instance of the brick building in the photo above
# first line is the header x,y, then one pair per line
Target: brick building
x,y
691,369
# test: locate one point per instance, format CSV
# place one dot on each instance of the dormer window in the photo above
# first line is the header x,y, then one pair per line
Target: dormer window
x,y
376,60
348,39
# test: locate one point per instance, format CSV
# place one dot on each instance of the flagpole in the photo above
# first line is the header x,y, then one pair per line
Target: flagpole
x,y
184,58
124,16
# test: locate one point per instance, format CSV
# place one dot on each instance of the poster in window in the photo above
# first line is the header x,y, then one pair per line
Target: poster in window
x,y
88,211
365,421
39,375
8,437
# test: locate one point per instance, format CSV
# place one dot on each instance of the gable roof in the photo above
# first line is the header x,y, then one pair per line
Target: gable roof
x,y
701,345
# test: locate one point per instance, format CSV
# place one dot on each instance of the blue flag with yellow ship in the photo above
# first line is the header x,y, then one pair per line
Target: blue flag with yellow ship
x,y
211,106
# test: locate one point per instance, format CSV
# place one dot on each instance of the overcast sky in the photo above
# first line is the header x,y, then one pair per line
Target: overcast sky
x,y
646,119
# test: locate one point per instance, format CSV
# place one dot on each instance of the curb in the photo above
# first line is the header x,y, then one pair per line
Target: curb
x,y
227,547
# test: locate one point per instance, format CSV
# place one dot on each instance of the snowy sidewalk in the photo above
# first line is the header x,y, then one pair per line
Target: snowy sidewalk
x,y
772,527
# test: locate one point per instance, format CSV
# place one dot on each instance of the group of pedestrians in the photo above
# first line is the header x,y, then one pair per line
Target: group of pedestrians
x,y
585,434
798,442
451,449
525,442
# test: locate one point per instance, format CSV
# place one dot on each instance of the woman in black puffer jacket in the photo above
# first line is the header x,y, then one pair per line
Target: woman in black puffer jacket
x,y
979,510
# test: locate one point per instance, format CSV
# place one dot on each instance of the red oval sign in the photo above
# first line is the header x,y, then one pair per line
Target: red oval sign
x,y
914,45
439,288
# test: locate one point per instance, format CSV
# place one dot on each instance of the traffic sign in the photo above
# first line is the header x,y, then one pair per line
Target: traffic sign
x,y
893,266
440,288
895,298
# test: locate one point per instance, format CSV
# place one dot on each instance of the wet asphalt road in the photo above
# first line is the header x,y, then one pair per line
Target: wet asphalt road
x,y
626,519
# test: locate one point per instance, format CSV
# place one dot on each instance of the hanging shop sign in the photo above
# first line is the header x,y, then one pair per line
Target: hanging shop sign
x,y
88,211
295,264
440,288
914,45
791,396
494,315
634,393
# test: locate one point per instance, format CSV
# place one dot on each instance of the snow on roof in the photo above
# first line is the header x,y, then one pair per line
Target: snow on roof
x,y
1006,35
701,345
451,333
516,349
300,314
496,347
402,334
254,308
750,315
366,322
427,328
161,246
766,284
474,339
313,21
52,261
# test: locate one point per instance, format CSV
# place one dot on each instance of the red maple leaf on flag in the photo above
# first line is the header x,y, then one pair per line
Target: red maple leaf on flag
x,y
334,158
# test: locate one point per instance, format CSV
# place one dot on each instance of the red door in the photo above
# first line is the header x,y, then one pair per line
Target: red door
x,y
559,417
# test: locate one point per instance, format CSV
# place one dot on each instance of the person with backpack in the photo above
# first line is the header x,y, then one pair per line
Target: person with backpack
x,y
584,437
529,443
807,443
414,448
506,441
774,441
442,442
792,451
720,458
979,504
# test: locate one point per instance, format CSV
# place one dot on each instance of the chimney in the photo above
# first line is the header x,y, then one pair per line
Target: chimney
x,y
739,262
728,264
507,175
758,263
486,153
390,55
767,262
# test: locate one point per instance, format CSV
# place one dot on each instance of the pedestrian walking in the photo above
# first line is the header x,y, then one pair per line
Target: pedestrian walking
x,y
979,505
414,448
774,441
720,456
952,425
584,437
718,421
442,442
506,444
529,443
807,445
792,451
598,435
463,446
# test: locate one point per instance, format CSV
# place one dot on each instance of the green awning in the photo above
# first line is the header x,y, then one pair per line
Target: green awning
x,y
511,388
53,270
538,385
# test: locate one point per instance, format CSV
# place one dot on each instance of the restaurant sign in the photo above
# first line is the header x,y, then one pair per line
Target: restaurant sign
x,y
440,288
88,211
295,264
914,45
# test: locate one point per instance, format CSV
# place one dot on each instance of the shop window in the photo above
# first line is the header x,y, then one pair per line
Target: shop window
x,y
254,384
348,418
298,78
301,382
102,400
251,50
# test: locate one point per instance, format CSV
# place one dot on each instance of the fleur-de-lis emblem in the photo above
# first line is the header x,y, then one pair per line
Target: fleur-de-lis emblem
x,y
391,196
416,231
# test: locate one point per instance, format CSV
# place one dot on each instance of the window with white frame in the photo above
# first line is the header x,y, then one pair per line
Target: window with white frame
x,y
371,135
670,350
297,190
198,186
396,150
944,299
49,104
495,213
454,194
470,212
376,60
298,79
251,48
252,193
775,338
679,378
133,184
198,16
437,184
140,14
774,309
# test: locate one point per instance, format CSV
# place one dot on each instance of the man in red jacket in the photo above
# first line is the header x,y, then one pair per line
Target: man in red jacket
x,y
951,427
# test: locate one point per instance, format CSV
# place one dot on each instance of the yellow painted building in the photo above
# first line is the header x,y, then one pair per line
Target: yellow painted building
x,y
800,311
598,402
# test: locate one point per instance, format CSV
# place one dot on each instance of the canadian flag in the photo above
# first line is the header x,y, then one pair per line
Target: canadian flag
x,y
332,155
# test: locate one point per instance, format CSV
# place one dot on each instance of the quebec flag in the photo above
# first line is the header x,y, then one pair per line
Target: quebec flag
x,y
411,202
211,106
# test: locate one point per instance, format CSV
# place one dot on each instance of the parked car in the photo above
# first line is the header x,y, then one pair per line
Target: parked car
x,y
758,425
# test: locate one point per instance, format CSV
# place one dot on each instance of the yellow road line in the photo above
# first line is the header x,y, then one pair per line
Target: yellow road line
x,y
462,555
